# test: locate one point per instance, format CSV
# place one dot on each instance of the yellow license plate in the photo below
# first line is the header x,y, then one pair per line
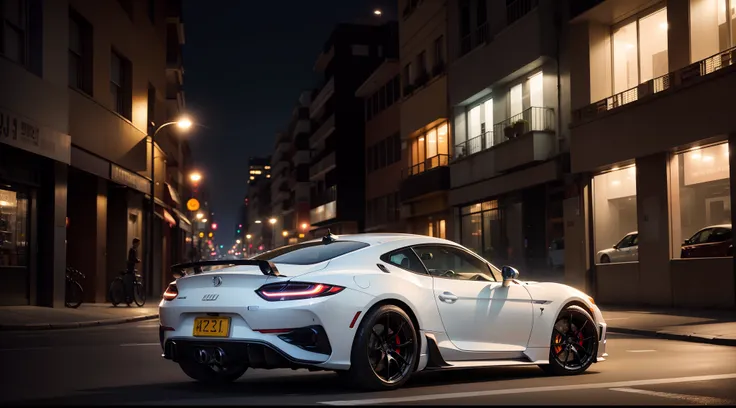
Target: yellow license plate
x,y
211,327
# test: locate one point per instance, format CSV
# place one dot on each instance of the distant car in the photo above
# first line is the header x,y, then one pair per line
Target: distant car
x,y
626,250
375,308
709,242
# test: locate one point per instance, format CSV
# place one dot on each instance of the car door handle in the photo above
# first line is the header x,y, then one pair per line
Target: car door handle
x,y
448,297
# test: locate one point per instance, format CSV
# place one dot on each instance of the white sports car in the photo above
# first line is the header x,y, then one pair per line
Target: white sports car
x,y
375,308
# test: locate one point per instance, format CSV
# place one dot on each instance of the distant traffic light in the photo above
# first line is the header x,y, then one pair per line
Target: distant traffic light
x,y
238,231
222,246
214,226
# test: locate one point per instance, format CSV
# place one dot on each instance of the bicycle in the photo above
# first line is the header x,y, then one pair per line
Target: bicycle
x,y
118,293
74,293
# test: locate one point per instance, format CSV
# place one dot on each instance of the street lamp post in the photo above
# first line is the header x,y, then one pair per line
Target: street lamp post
x,y
182,124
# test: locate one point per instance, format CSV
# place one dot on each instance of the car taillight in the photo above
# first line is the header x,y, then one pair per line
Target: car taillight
x,y
171,292
296,290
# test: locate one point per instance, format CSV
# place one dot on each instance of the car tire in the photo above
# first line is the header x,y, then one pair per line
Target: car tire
x,y
605,259
206,374
362,373
579,342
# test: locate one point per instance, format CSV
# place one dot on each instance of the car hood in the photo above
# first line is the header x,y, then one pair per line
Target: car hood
x,y
606,251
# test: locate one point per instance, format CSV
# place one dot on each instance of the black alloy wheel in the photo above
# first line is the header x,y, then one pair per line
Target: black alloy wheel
x,y
574,344
385,350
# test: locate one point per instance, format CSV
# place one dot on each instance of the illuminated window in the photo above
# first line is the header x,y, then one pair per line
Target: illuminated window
x,y
711,21
430,149
614,216
267,167
640,51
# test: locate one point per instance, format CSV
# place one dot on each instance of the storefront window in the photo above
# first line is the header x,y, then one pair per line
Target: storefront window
x,y
614,216
13,229
700,201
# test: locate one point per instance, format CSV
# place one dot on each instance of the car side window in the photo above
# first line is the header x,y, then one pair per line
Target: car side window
x,y
635,240
406,259
453,263
720,235
703,236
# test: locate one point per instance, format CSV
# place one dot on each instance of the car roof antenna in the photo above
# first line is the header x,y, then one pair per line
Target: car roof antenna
x,y
329,238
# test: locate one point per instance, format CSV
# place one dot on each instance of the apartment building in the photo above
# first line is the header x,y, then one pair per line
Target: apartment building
x,y
651,136
290,176
381,94
425,129
508,87
350,55
82,83
260,217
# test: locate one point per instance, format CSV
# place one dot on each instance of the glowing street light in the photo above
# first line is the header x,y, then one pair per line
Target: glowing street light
x,y
184,123
285,233
377,12
237,241
305,225
195,176
272,221
258,221
248,236
204,220
200,216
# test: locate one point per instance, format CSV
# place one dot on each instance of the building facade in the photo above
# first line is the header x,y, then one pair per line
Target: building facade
x,y
350,56
90,91
425,130
260,227
651,136
509,95
381,94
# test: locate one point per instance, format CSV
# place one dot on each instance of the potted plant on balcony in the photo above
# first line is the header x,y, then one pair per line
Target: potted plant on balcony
x,y
508,131
520,127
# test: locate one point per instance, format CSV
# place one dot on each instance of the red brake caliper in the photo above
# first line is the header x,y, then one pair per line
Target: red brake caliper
x,y
397,343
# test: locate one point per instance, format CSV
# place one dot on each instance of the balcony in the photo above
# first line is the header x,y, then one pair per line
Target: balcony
x,y
322,132
518,9
687,105
322,97
518,141
323,166
421,179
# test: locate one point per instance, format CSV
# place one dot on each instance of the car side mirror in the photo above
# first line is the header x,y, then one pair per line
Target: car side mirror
x,y
427,256
686,242
509,273
615,246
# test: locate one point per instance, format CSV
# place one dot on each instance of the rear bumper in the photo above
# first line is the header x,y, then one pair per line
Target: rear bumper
x,y
253,353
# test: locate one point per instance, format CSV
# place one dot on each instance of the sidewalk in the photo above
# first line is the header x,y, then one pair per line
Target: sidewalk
x,y
701,326
87,315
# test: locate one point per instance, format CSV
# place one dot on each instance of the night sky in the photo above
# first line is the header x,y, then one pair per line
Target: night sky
x,y
245,64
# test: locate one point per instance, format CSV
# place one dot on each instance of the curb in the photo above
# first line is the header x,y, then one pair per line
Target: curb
x,y
662,334
75,325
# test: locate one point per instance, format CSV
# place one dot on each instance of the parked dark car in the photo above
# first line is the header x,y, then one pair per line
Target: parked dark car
x,y
710,242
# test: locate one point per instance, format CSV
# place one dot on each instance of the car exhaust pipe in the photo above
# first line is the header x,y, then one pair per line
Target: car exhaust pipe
x,y
203,356
218,356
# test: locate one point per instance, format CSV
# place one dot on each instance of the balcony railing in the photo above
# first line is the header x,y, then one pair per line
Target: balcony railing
x,y
533,119
518,9
428,164
474,145
672,80
480,35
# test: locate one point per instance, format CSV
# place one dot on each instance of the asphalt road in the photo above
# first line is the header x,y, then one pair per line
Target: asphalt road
x,y
122,365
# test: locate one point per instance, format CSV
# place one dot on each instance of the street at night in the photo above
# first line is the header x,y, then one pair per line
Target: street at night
x,y
122,364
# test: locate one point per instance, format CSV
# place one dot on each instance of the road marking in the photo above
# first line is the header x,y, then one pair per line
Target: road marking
x,y
148,325
25,348
475,394
140,344
640,351
691,399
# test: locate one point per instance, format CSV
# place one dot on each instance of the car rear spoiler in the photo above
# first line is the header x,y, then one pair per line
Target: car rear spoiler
x,y
266,267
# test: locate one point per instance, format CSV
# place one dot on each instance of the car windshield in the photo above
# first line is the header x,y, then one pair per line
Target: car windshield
x,y
310,252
